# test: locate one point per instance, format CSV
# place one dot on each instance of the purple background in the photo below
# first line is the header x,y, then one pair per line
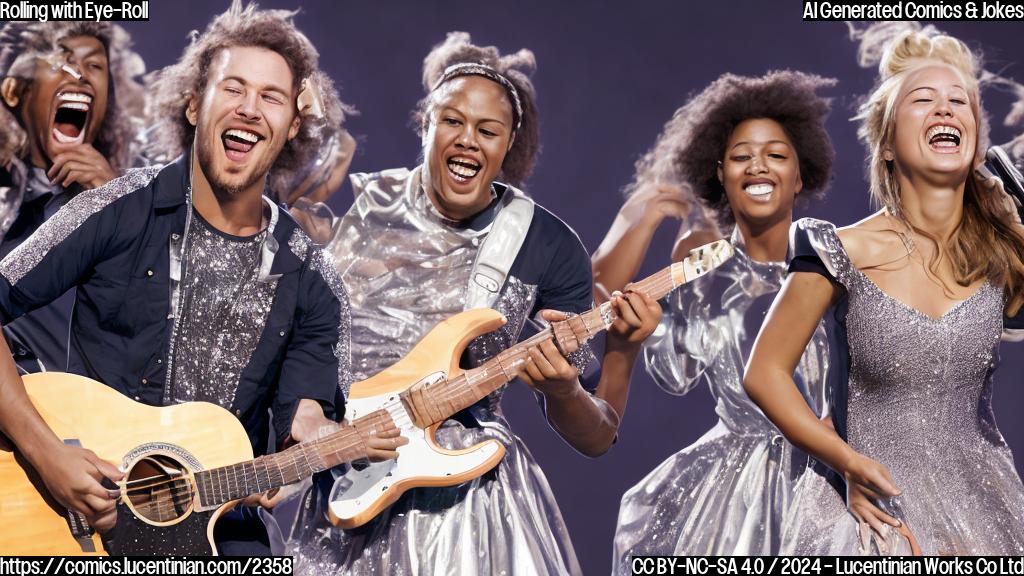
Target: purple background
x,y
608,77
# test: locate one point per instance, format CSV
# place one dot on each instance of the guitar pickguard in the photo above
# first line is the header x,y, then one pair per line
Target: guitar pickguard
x,y
361,494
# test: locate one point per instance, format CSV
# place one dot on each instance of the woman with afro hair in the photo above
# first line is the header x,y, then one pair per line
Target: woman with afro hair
x,y
736,156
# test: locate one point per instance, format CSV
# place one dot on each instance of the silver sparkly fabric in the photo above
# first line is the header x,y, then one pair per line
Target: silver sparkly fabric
x,y
55,230
515,302
920,402
322,263
299,244
224,310
405,270
727,493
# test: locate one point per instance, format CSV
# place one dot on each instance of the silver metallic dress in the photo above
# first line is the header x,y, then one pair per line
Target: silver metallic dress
x,y
405,268
726,493
920,402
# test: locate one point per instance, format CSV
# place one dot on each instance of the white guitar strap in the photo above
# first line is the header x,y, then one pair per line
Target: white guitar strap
x,y
499,250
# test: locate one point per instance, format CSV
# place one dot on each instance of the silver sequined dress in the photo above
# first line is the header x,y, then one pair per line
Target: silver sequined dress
x,y
405,269
919,400
726,493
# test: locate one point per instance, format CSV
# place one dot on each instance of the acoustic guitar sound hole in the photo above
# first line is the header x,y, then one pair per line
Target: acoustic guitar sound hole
x,y
159,488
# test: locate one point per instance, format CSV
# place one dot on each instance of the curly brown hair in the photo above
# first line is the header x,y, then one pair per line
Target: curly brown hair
x,y
692,143
517,68
248,26
22,43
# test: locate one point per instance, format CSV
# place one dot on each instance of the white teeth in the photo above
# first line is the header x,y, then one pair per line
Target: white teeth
x,y
457,166
760,189
936,130
75,106
244,135
462,170
464,160
75,97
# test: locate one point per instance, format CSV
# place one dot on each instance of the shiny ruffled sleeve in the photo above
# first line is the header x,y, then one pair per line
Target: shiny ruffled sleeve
x,y
678,352
817,249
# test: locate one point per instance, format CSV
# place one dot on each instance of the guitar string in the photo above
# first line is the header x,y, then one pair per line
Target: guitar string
x,y
182,485
449,394
179,486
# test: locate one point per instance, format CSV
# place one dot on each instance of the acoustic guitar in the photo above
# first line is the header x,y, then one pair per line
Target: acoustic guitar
x,y
184,465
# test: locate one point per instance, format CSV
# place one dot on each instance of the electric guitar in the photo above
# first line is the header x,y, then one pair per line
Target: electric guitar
x,y
433,366
184,465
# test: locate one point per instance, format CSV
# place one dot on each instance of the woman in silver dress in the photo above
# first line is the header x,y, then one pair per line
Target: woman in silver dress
x,y
921,293
748,148
409,251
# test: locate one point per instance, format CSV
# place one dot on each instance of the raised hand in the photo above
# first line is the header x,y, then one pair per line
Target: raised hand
x,y
619,257
82,165
652,204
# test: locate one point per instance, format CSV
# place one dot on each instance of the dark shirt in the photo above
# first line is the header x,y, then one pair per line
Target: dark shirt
x,y
39,339
115,243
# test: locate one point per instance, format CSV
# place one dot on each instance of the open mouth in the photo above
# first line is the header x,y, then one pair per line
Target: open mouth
x,y
944,139
71,117
463,169
760,190
238,143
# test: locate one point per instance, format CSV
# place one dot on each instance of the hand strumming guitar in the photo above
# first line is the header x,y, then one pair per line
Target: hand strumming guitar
x,y
382,437
74,476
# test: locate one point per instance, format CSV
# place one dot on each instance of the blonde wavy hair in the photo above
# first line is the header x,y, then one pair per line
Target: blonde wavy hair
x,y
989,242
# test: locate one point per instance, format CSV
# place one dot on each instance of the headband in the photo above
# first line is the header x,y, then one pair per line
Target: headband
x,y
476,69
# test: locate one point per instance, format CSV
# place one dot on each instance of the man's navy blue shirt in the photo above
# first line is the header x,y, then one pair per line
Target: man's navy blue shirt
x,y
113,243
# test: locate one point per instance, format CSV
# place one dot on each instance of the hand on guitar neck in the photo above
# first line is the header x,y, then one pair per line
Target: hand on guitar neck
x,y
544,368
381,439
587,422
